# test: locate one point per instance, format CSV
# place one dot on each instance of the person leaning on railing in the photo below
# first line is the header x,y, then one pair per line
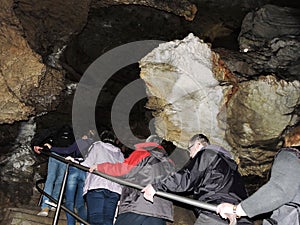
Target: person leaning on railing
x,y
281,194
211,175
148,161
102,195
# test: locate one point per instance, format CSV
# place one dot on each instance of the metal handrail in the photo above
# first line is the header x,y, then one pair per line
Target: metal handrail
x,y
169,196
61,193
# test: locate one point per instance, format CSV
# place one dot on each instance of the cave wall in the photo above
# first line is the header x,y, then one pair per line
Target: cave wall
x,y
47,45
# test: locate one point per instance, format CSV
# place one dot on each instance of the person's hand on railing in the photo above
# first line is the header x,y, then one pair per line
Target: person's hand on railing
x,y
225,209
149,192
70,159
48,146
93,168
37,149
230,211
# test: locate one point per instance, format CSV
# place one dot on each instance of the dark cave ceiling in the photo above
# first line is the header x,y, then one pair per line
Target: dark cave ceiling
x,y
90,28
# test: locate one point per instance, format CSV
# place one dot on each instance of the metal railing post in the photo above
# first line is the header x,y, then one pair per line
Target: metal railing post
x,y
61,195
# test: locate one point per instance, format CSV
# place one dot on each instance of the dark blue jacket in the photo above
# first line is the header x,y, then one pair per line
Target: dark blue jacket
x,y
75,150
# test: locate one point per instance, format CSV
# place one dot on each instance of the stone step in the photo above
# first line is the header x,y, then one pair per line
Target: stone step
x,y
28,216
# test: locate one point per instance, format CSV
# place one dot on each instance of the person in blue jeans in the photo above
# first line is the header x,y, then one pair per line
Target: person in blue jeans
x,y
55,175
102,195
76,177
73,194
102,204
149,161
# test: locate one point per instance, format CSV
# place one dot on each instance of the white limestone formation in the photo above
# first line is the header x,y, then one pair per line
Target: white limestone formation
x,y
183,91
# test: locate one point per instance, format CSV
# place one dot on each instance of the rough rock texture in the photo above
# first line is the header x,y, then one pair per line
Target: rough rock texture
x,y
271,35
256,116
25,80
48,25
179,7
269,43
182,90
189,95
21,160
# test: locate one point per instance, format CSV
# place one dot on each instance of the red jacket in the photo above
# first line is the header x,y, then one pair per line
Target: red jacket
x,y
120,169
144,165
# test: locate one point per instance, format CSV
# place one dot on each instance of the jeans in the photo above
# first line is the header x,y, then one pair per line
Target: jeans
x,y
55,175
74,194
101,206
137,219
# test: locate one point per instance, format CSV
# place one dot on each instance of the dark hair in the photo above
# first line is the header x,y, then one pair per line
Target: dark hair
x,y
201,138
292,138
108,137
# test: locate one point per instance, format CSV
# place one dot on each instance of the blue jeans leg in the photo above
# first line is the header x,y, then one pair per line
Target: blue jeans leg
x,y
61,168
101,205
54,179
137,219
80,202
73,194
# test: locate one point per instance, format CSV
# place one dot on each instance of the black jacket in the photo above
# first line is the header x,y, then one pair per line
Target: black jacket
x,y
211,176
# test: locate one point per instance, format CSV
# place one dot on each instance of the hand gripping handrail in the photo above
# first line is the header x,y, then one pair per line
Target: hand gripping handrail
x,y
169,196
59,201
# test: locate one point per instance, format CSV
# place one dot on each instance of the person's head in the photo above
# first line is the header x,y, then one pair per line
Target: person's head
x,y
292,138
108,137
196,143
154,138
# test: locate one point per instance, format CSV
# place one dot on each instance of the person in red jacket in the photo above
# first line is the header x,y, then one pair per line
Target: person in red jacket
x,y
149,161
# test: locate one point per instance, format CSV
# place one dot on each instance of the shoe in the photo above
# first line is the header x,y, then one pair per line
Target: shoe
x,y
51,203
44,212
52,209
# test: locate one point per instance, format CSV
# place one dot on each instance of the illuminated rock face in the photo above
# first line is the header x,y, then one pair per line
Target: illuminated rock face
x,y
188,98
183,90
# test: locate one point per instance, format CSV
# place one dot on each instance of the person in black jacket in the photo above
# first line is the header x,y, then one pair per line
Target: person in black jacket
x,y
56,169
76,177
211,175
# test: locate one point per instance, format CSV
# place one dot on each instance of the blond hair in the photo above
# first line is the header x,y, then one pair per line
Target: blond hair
x,y
293,137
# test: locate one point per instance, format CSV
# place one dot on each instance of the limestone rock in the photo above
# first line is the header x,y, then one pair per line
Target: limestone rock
x,y
22,74
269,43
183,91
258,113
15,77
191,90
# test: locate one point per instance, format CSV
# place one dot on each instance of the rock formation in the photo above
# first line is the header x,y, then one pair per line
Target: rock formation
x,y
188,98
234,78
28,86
